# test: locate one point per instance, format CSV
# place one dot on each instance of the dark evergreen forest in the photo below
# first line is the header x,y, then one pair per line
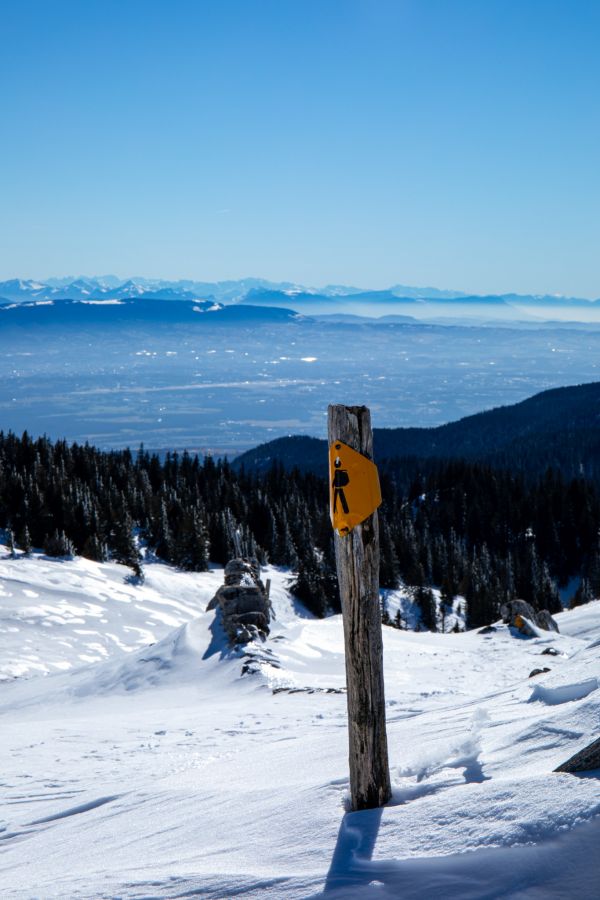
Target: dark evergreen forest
x,y
462,526
558,428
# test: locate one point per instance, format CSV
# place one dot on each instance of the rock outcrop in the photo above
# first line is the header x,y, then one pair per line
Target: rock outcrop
x,y
243,601
544,620
539,671
520,614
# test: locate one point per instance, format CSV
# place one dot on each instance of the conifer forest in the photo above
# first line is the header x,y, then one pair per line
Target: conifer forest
x,y
466,528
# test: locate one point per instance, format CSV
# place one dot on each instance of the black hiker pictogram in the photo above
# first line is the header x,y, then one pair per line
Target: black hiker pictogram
x,y
340,480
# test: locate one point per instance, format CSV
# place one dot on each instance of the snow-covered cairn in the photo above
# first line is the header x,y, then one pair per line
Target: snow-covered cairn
x,y
243,601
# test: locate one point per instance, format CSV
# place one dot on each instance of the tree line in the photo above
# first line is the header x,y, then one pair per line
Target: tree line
x,y
466,528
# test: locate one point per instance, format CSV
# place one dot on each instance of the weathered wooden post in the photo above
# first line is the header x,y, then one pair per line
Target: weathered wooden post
x,y
354,490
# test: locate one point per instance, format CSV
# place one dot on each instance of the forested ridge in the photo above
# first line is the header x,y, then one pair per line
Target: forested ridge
x,y
465,527
558,428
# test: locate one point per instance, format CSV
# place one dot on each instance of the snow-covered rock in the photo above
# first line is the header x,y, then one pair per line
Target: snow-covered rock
x,y
242,602
520,614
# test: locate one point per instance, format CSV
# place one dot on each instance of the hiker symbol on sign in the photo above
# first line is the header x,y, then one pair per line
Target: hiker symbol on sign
x,y
340,480
354,492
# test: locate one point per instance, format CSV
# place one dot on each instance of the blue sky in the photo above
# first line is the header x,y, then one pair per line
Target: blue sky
x,y
367,142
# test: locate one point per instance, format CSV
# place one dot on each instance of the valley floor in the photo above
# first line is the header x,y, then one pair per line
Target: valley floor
x,y
138,761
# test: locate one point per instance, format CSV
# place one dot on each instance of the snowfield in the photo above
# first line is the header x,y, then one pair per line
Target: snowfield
x,y
139,762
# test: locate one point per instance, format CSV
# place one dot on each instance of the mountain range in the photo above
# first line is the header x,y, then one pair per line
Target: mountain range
x,y
426,301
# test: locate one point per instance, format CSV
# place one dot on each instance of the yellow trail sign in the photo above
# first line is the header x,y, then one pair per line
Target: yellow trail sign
x,y
354,492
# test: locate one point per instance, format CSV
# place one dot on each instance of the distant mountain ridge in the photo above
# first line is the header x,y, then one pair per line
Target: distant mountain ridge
x,y
259,291
112,312
108,287
556,428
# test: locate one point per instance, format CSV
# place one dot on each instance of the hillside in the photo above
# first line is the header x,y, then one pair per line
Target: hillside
x,y
64,315
162,771
457,526
559,427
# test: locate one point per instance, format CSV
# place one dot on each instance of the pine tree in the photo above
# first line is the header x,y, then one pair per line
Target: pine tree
x,y
123,545
314,583
547,596
582,595
59,545
95,549
284,551
10,541
25,541
163,538
446,599
423,597
389,570
190,550
593,569
385,616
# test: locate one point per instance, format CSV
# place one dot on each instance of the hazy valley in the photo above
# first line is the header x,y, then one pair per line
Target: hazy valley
x,y
177,373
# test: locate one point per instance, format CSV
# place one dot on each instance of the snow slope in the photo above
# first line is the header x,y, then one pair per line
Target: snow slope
x,y
158,770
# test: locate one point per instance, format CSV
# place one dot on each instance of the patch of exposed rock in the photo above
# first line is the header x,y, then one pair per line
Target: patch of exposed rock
x,y
522,615
243,601
535,672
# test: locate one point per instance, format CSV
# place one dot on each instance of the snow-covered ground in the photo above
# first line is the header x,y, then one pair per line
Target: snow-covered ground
x,y
138,761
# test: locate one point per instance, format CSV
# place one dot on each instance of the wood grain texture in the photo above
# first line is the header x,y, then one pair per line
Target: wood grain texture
x,y
584,761
357,559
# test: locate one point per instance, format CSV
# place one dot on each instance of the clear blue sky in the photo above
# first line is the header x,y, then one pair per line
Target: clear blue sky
x,y
368,142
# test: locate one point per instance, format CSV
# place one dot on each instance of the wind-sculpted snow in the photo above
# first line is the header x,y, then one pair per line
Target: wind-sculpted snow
x,y
564,693
160,770
56,615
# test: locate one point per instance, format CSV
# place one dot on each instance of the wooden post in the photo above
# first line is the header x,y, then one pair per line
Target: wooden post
x,y
357,559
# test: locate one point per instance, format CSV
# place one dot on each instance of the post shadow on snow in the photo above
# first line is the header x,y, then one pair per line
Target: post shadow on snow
x,y
559,864
353,851
351,865
591,773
